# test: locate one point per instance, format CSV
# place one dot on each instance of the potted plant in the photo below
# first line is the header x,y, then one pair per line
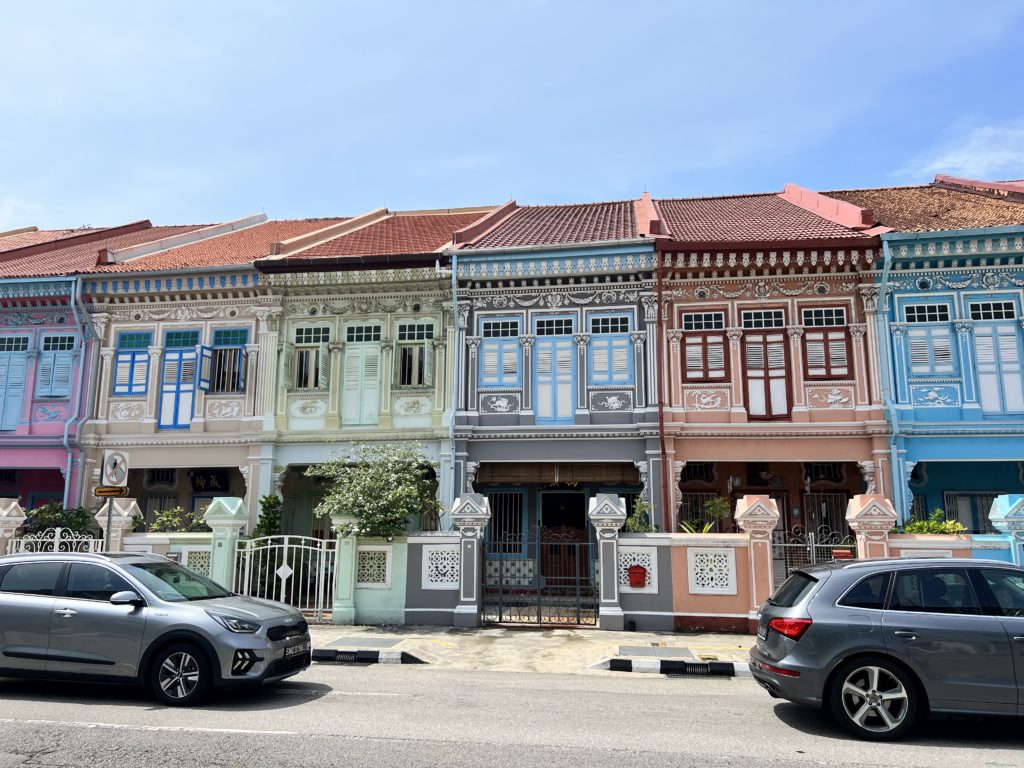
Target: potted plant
x,y
935,523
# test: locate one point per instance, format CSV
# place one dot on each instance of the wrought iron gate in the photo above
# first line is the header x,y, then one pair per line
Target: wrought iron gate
x,y
797,548
297,570
55,540
547,577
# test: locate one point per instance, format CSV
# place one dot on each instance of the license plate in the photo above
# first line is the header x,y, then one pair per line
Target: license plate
x,y
295,650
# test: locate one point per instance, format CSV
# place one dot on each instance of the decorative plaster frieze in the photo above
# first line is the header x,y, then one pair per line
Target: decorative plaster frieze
x,y
223,409
706,399
775,259
829,397
500,402
611,402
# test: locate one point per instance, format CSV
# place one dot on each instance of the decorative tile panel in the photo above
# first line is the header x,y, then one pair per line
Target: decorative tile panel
x,y
611,402
645,556
373,567
706,399
199,560
712,571
505,402
830,397
441,564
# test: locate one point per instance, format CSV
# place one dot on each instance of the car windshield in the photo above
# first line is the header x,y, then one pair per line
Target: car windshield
x,y
175,583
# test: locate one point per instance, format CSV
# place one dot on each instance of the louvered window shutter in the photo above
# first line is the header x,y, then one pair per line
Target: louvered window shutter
x,y
838,362
288,366
815,351
1010,367
12,387
205,369
352,386
370,395
509,363
620,361
139,382
428,364
490,352
695,358
62,363
920,360
122,373
716,356
942,350
44,374
323,367
600,365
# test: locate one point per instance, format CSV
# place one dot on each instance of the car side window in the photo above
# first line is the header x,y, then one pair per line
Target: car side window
x,y
94,582
868,593
1008,589
934,590
32,578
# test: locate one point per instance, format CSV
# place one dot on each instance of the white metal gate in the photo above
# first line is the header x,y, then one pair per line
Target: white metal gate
x,y
297,570
55,540
797,548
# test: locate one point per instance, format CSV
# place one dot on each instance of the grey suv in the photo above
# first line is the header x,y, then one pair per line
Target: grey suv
x,y
884,642
122,617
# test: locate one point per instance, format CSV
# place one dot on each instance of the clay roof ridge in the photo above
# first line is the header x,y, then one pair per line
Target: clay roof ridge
x,y
837,211
575,205
715,197
20,231
89,236
121,255
293,245
485,225
1001,190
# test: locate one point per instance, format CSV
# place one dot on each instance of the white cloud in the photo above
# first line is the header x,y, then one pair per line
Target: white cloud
x,y
989,152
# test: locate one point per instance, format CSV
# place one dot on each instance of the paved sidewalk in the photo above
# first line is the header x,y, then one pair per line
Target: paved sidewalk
x,y
496,649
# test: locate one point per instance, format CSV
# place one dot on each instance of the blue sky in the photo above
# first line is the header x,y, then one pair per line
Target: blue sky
x,y
199,112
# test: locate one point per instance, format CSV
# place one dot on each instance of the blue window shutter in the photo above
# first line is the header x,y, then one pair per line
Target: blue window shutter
x,y
205,377
44,374
62,364
12,387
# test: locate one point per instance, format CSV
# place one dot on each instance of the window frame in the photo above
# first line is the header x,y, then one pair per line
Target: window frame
x,y
132,357
826,330
610,340
421,369
49,363
216,362
702,337
499,344
309,349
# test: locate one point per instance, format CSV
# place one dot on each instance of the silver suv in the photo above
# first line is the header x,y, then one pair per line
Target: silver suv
x,y
884,642
144,619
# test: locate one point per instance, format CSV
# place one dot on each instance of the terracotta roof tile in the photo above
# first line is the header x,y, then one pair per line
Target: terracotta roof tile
x,y
563,225
82,256
926,208
241,247
37,237
396,234
747,218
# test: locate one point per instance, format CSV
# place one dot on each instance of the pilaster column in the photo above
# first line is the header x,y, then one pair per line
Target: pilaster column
x,y
227,516
30,386
12,517
898,334
103,390
252,367
968,363
643,372
343,610
472,353
861,374
647,391
674,368
470,516
757,517
337,384
871,517
607,514
387,348
582,341
737,375
796,346
439,349
115,518
869,297
526,407
266,384
153,384
677,475
198,421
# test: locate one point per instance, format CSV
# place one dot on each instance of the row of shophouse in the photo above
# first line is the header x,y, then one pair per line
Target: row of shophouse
x,y
805,346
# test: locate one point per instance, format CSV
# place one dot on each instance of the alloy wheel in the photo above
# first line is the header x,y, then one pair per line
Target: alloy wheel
x,y
874,699
179,675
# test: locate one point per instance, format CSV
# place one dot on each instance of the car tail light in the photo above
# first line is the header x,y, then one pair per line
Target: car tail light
x,y
778,670
791,628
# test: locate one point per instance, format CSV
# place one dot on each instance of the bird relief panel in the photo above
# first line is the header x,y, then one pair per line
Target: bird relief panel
x,y
706,399
500,403
935,396
611,402
829,397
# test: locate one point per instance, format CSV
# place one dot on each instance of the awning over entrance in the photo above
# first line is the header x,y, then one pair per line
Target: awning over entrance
x,y
604,473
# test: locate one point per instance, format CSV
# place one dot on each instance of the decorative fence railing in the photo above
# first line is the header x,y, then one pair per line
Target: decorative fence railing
x,y
55,540
297,570
797,548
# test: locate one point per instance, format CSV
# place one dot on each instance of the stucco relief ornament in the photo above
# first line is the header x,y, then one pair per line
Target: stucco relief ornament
x,y
762,290
858,330
581,339
705,401
734,334
867,471
898,329
225,409
614,403
702,294
964,327
933,397
413,406
499,404
836,397
990,280
870,298
48,413
526,341
127,411
795,332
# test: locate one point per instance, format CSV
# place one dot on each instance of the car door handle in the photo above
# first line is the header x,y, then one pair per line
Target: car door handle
x,y
906,633
67,613
1019,639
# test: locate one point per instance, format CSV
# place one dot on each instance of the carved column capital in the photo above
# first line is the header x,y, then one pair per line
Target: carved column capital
x,y
527,341
650,304
795,332
898,329
107,353
675,336
581,340
473,342
734,334
867,471
858,330
964,327
870,298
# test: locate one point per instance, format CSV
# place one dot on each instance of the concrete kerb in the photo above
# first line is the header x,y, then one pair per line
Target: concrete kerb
x,y
676,668
333,656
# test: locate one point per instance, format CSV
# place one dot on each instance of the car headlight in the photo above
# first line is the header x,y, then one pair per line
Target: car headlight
x,y
235,624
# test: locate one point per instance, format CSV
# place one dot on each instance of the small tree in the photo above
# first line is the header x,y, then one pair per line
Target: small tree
x,y
269,523
53,515
380,489
177,520
639,521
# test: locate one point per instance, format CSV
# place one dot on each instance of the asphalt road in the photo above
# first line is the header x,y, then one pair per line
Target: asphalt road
x,y
416,716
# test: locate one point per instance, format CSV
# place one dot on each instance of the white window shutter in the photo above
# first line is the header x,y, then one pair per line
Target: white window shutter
x,y
716,357
620,360
942,350
489,356
428,364
837,354
288,366
919,359
1009,359
140,373
122,373
323,367
370,395
352,384
815,351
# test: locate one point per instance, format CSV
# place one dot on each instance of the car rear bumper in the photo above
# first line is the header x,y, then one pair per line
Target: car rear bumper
x,y
803,689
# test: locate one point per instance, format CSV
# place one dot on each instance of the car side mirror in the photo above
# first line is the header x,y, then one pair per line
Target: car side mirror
x,y
126,597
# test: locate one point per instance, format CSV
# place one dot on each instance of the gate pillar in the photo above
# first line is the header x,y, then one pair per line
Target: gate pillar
x,y
470,515
607,514
757,517
226,515
11,518
114,518
871,517
1006,516
343,610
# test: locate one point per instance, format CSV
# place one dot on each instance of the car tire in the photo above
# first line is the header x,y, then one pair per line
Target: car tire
x,y
179,675
874,698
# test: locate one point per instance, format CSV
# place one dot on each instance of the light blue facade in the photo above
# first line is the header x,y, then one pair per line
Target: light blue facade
x,y
952,337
